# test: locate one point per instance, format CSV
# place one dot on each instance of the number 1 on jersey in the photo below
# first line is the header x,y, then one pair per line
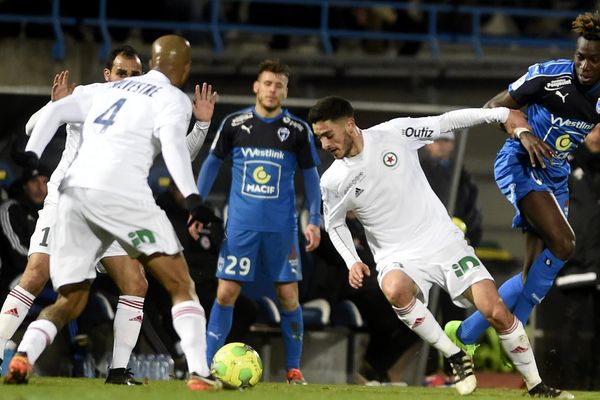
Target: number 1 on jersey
x,y
111,113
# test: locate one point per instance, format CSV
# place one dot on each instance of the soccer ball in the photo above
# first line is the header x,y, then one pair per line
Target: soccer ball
x,y
237,365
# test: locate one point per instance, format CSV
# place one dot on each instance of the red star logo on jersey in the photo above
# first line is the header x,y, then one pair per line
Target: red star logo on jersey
x,y
13,311
390,159
137,318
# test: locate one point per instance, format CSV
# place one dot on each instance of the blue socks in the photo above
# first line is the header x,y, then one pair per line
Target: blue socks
x,y
219,325
539,281
292,330
472,328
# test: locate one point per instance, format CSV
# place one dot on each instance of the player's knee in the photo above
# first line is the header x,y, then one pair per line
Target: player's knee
x,y
564,246
498,315
137,287
399,292
227,293
289,303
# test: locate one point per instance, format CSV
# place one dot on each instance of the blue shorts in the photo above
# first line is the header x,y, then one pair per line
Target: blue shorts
x,y
516,177
275,254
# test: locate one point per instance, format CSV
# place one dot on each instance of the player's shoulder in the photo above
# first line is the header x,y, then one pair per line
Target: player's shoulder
x,y
89,88
295,122
238,117
389,129
333,175
551,68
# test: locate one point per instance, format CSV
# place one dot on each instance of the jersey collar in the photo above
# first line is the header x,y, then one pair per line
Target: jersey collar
x,y
157,75
269,120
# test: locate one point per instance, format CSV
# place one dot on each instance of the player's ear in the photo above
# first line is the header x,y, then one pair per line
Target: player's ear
x,y
350,124
255,87
106,74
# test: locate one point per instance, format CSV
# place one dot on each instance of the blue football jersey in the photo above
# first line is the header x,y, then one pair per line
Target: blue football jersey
x,y
265,153
561,111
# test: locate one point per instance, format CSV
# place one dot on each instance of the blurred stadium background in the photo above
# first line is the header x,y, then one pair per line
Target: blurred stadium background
x,y
390,58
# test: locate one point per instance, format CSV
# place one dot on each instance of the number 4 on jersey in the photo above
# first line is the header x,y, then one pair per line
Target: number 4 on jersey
x,y
111,113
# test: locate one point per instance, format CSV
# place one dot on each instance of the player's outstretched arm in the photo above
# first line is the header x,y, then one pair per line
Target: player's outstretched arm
x,y
518,127
52,116
203,109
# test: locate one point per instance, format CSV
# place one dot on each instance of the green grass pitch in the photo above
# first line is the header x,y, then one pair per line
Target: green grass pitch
x,y
94,389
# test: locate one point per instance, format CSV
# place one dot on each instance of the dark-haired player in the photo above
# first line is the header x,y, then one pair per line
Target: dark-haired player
x,y
531,170
266,144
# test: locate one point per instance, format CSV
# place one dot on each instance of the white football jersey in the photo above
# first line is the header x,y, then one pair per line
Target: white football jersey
x,y
388,192
72,144
119,141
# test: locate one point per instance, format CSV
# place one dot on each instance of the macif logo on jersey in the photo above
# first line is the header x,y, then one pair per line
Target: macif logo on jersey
x,y
283,133
261,179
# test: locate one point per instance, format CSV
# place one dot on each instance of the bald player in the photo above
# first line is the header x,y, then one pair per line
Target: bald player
x,y
105,197
127,273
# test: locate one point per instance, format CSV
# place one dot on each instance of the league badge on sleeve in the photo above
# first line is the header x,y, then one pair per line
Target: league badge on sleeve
x,y
598,106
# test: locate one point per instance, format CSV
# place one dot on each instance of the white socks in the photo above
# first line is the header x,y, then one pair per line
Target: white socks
x,y
39,334
517,347
126,328
189,322
14,310
420,320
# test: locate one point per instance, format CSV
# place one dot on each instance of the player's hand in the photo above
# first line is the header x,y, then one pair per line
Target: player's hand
x,y
60,86
199,212
357,273
204,102
538,150
516,119
312,233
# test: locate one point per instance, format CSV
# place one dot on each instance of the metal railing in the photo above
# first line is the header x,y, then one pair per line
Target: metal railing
x,y
216,27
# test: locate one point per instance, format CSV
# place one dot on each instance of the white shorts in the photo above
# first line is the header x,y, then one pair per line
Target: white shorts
x,y
454,268
44,228
88,221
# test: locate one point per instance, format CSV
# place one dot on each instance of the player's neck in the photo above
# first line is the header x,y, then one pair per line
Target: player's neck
x,y
358,143
264,113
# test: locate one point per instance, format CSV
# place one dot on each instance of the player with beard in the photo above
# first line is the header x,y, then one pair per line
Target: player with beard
x,y
266,144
